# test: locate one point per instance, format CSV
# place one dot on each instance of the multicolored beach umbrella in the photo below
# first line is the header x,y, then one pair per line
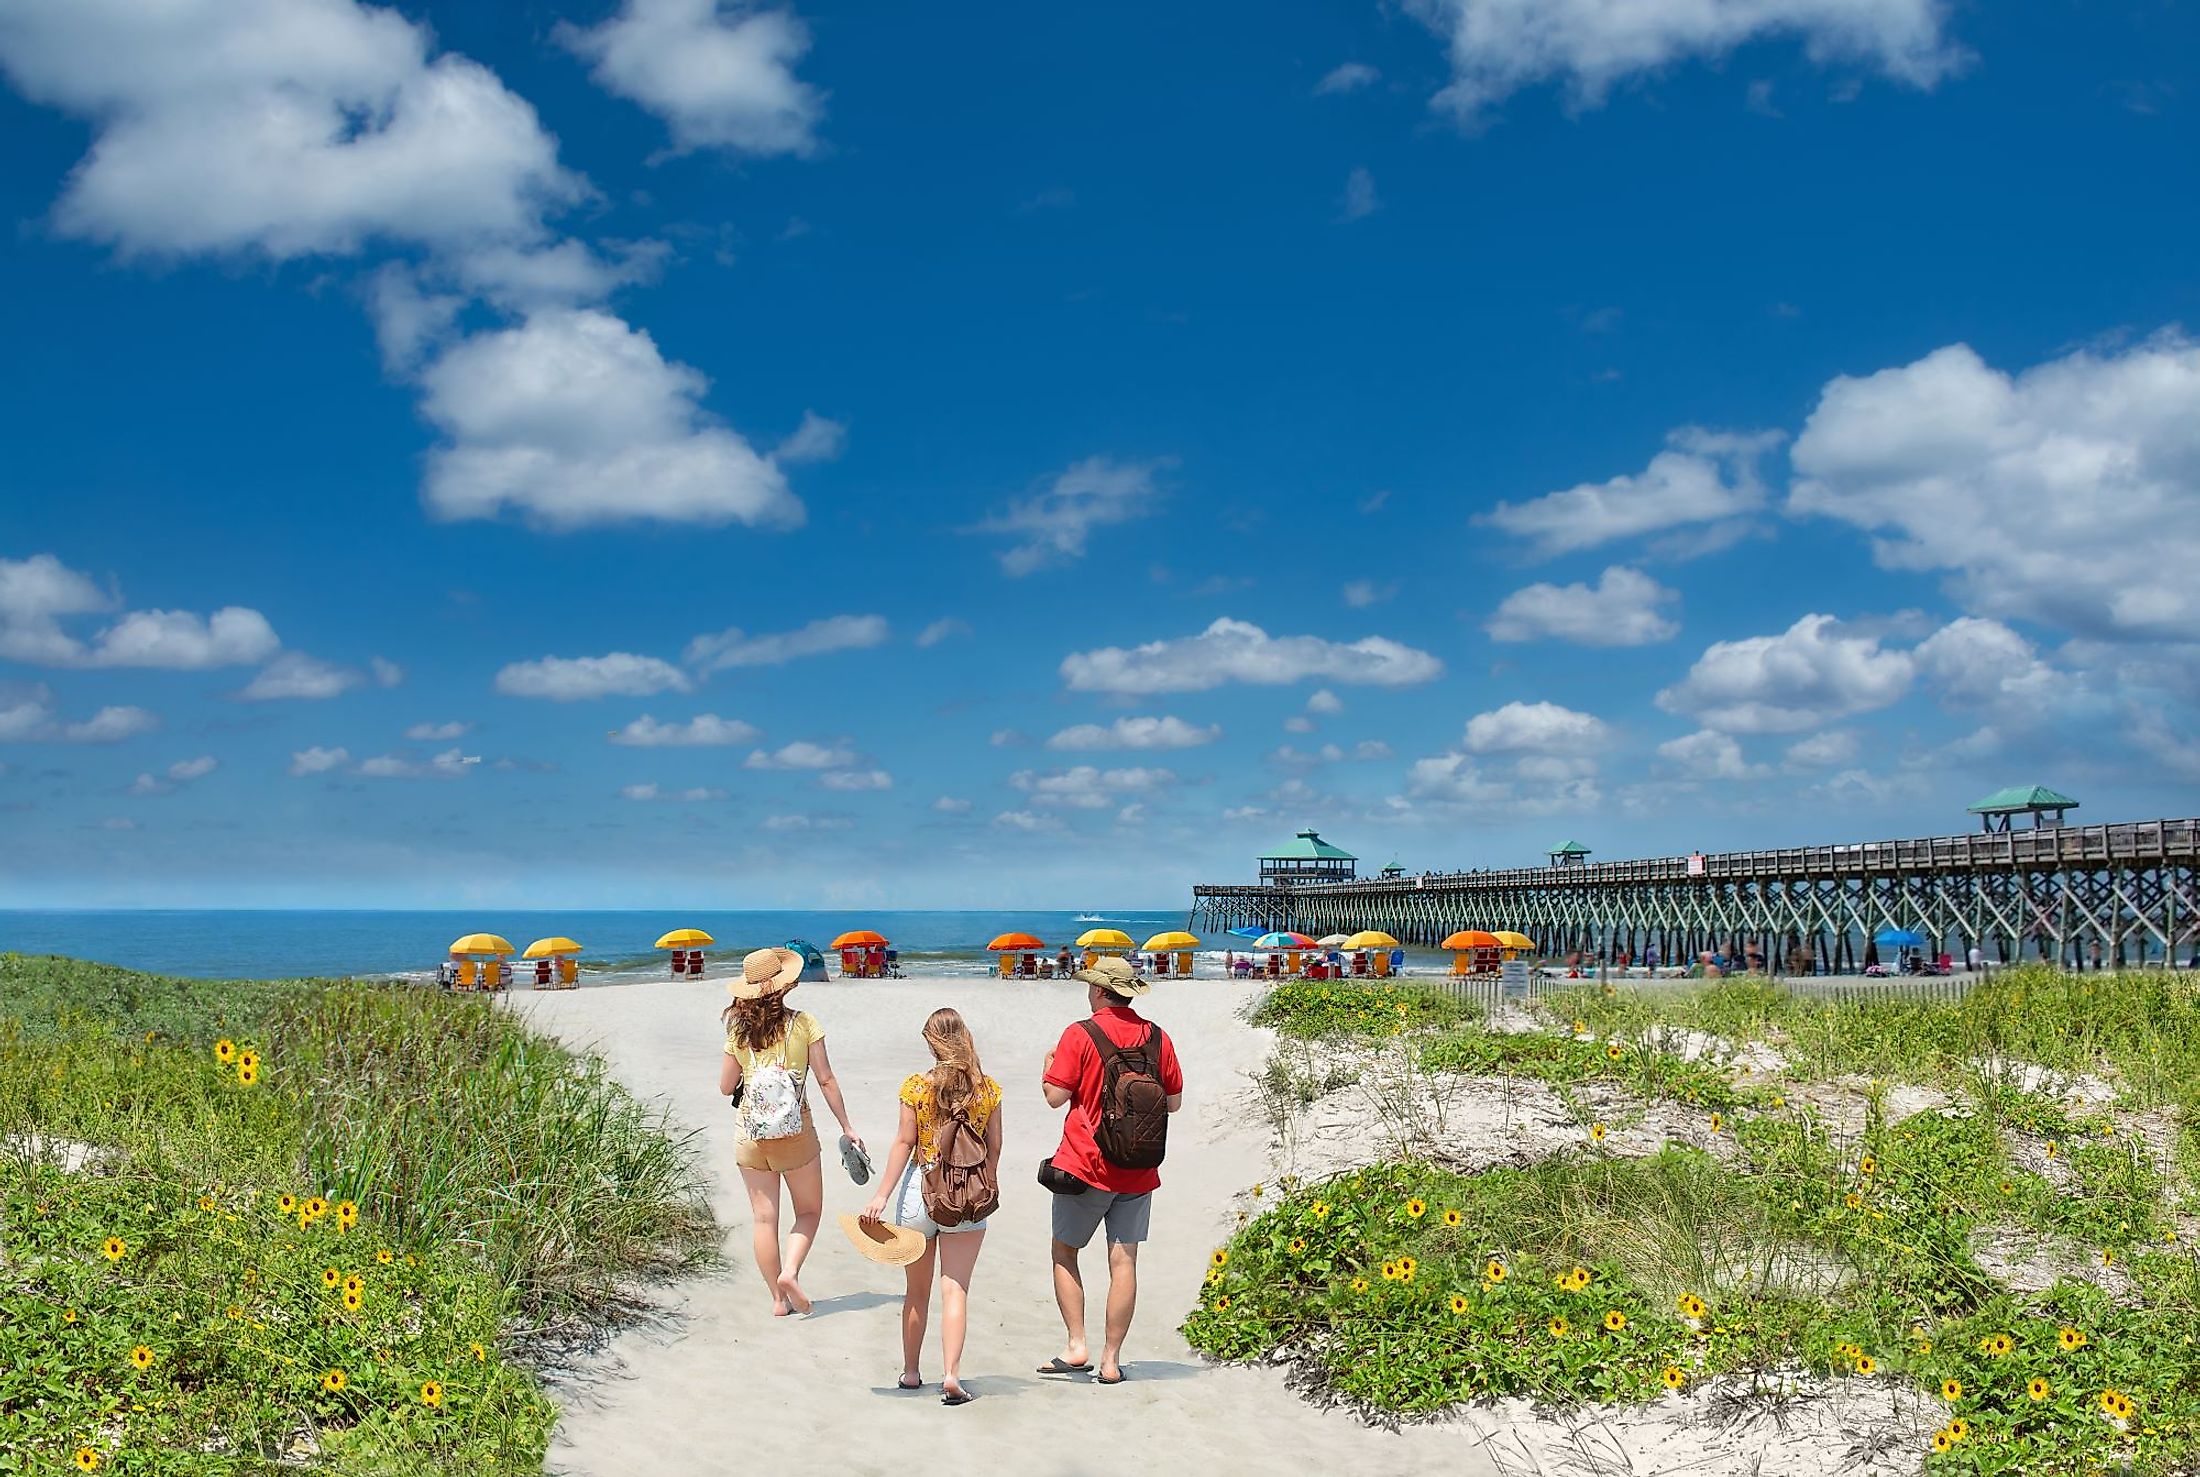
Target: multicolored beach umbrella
x,y
1283,941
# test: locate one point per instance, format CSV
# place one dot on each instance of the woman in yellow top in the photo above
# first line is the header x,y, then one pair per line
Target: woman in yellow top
x,y
772,1054
955,1084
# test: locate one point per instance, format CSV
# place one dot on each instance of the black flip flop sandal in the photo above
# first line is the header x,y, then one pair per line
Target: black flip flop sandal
x,y
1059,1365
1101,1379
956,1397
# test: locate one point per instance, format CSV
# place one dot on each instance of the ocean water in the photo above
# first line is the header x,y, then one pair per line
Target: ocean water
x,y
293,944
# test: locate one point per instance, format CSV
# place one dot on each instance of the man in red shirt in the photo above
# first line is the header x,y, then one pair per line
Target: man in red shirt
x,y
1117,1197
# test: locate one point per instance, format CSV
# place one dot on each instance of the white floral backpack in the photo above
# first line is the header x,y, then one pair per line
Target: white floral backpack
x,y
771,1101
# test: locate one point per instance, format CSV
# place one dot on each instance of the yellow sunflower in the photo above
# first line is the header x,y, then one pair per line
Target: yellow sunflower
x,y
1615,1051
347,1215
1999,1345
1615,1320
333,1381
1320,1209
331,1278
87,1460
225,1051
1868,1165
352,1300
1716,1120
481,1355
1406,1267
1298,1245
1359,1284
1416,1208
2070,1338
1853,1200
316,1208
385,1256
1691,1306
1674,1377
1221,1257
1865,1364
1596,1133
1951,1389
1958,1428
1558,1328
141,1358
1390,1271
1494,1272
1942,1440
2038,1388
1459,1304
1453,1219
431,1394
286,1203
248,1060
114,1248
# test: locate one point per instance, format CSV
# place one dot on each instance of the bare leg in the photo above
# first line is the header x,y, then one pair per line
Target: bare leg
x,y
1069,1296
958,1259
763,1188
1122,1302
916,1304
807,1188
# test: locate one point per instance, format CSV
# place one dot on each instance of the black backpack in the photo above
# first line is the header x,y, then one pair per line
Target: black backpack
x,y
1133,1127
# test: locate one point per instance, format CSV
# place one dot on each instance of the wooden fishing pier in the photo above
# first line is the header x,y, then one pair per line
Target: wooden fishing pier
x,y
2117,895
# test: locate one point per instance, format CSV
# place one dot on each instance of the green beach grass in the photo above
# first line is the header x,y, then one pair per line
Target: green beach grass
x,y
247,1223
1793,1244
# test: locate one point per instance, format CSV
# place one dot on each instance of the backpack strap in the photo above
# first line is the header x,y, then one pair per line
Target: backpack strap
x,y
1108,1048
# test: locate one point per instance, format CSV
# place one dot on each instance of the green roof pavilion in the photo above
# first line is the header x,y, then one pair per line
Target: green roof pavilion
x,y
1308,858
1394,868
2045,806
1569,854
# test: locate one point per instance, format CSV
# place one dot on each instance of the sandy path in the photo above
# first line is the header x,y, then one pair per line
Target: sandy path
x,y
728,1387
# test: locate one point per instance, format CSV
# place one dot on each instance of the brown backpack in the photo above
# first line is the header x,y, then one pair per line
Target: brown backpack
x,y
960,1187
1133,1128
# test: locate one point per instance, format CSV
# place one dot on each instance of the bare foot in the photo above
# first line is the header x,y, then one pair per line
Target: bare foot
x,y
779,1307
791,1291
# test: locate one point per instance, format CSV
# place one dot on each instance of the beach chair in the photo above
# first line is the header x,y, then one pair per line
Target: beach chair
x,y
465,980
569,972
893,963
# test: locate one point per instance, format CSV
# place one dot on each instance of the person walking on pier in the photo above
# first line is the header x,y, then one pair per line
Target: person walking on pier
x,y
1117,1074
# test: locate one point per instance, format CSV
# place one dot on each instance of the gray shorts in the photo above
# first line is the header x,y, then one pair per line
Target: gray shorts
x,y
1076,1217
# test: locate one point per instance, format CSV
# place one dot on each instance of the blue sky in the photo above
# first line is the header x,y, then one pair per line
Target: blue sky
x,y
849,455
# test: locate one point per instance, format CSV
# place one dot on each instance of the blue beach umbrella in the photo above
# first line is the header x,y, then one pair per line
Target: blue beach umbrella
x,y
1248,932
1899,938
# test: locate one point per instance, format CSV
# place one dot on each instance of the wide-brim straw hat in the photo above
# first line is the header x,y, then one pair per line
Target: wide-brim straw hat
x,y
1114,975
884,1242
766,972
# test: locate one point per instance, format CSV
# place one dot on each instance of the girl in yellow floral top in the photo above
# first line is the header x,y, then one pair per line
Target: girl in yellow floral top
x,y
955,1084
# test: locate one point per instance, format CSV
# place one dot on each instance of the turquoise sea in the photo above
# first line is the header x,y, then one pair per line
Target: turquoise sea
x,y
288,944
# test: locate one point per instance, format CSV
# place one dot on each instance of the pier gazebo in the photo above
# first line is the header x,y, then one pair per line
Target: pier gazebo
x,y
1998,811
1308,858
1569,854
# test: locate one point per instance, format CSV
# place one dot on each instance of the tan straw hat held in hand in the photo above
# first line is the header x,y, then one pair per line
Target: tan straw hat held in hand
x,y
1115,976
766,972
882,1241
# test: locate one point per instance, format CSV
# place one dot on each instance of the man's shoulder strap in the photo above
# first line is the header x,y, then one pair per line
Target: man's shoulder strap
x,y
1108,1048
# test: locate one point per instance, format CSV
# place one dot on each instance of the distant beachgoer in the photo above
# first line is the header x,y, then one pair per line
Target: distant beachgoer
x,y
930,1101
1062,962
1650,958
1113,1147
771,1055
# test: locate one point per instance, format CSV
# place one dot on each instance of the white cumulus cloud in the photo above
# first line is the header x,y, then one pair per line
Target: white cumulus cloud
x,y
569,679
720,75
940,630
802,754
1051,526
1813,672
733,648
1539,727
1709,755
293,674
1625,607
318,760
437,733
1349,77
1498,47
1238,651
1164,732
40,594
856,780
2031,491
1085,787
704,730
1702,477
572,417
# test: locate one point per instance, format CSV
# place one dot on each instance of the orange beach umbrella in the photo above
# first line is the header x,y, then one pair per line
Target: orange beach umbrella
x,y
1015,943
1472,938
861,938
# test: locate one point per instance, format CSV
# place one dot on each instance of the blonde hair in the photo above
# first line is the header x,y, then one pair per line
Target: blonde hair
x,y
957,1078
759,1024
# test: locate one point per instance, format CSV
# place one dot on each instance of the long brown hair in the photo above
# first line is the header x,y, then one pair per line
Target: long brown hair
x,y
958,1077
759,1024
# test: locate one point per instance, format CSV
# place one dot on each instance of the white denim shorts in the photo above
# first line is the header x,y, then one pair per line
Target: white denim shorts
x,y
908,1206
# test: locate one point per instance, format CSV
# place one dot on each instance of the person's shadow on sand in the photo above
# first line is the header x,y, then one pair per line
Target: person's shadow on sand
x,y
850,1302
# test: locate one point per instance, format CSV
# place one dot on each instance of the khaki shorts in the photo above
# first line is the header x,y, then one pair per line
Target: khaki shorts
x,y
779,1155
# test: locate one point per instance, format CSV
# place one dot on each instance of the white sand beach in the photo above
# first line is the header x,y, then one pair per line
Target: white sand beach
x,y
720,1385
727,1387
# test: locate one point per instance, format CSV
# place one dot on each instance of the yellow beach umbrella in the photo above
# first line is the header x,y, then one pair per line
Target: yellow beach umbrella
x,y
550,948
1506,938
1103,938
481,943
1162,943
685,938
1373,938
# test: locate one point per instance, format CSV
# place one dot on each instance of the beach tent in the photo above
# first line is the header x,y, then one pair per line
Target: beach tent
x,y
687,945
1013,947
1176,942
862,954
478,955
1247,932
555,966
1473,951
813,960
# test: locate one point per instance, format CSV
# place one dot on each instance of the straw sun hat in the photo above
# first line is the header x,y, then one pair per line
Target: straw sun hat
x,y
766,972
1115,976
882,1241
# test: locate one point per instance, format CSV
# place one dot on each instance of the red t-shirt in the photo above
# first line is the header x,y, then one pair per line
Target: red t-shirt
x,y
1076,1069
